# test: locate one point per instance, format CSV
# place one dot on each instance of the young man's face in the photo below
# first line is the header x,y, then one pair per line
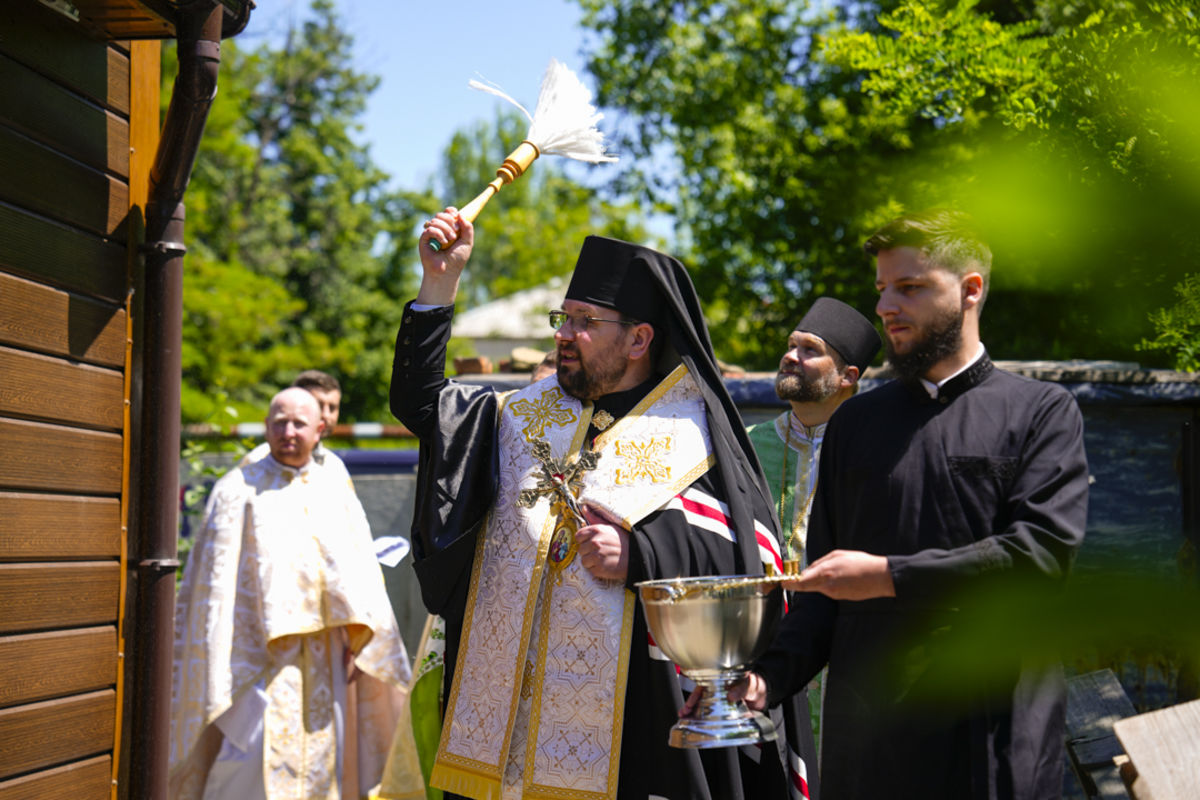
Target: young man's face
x,y
592,356
921,306
807,371
330,401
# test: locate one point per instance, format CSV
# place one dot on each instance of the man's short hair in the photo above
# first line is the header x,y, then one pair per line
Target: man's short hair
x,y
315,379
841,364
838,361
944,235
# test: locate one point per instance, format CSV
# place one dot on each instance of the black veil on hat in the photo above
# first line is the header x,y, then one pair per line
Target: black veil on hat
x,y
656,288
844,329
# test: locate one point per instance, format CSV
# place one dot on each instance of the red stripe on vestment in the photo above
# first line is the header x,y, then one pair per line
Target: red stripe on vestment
x,y
703,510
764,542
799,784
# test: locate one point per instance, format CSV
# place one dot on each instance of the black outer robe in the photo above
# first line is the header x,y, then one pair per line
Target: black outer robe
x,y
988,482
456,480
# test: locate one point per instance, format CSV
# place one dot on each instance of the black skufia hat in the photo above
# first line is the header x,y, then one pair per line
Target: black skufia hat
x,y
843,329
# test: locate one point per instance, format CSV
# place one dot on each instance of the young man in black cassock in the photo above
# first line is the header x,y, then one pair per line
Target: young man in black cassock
x,y
955,478
557,689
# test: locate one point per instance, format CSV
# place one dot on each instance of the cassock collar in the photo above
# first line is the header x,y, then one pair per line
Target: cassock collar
x,y
961,383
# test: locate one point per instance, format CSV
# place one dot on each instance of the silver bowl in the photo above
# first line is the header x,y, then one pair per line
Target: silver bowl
x,y
713,628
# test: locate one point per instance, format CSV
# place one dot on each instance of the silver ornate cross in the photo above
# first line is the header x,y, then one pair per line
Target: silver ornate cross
x,y
559,476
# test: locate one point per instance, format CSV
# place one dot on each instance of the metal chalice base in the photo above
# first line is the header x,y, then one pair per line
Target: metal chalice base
x,y
713,628
716,722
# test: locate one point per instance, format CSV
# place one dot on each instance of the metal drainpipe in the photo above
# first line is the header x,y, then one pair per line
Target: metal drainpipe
x,y
199,47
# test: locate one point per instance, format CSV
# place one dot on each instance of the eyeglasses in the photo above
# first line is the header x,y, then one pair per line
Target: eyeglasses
x,y
579,324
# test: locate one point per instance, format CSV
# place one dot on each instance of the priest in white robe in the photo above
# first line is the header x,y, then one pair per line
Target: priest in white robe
x,y
290,673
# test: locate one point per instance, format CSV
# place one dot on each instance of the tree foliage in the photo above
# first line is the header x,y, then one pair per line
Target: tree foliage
x,y
299,250
1177,328
797,128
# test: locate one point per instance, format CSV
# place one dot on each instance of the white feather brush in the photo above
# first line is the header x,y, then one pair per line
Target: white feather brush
x,y
563,124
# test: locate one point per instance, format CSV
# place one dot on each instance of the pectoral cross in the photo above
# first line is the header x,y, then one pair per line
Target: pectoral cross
x,y
559,476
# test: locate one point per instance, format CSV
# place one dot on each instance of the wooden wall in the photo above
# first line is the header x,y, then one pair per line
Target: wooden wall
x,y
65,112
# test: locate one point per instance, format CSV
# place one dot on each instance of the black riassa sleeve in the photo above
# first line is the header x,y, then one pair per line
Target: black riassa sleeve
x,y
456,471
418,368
665,545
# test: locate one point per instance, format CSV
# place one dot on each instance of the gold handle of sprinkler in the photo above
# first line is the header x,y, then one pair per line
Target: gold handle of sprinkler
x,y
513,167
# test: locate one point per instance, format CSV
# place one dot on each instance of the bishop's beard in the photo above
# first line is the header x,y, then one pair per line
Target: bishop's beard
x,y
941,339
592,379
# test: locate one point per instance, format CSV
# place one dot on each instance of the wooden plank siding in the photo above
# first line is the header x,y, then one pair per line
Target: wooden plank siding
x,y
57,186
62,256
54,732
54,389
54,322
89,779
69,123
42,666
46,527
56,458
62,120
55,596
52,46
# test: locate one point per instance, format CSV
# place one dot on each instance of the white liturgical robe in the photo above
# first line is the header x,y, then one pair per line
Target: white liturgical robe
x,y
281,600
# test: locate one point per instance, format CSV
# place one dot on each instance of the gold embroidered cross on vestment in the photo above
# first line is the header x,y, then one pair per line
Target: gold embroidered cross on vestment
x,y
646,460
541,413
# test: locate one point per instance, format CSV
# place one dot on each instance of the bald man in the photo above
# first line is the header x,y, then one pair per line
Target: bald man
x,y
290,672
328,393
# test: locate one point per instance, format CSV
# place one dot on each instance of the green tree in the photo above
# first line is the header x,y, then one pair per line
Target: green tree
x,y
1177,328
797,128
299,248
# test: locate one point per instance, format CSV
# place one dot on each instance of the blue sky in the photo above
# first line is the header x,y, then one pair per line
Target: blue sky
x,y
425,52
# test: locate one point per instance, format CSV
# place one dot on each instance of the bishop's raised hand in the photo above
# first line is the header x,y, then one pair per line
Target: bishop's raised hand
x,y
442,268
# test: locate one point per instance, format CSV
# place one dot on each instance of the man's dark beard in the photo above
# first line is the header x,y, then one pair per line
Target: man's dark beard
x,y
795,386
589,383
941,340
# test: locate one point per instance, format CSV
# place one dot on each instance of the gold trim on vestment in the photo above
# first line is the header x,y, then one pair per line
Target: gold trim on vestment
x,y
481,774
618,716
613,434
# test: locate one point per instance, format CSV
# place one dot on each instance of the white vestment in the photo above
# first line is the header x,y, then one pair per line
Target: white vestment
x,y
282,581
